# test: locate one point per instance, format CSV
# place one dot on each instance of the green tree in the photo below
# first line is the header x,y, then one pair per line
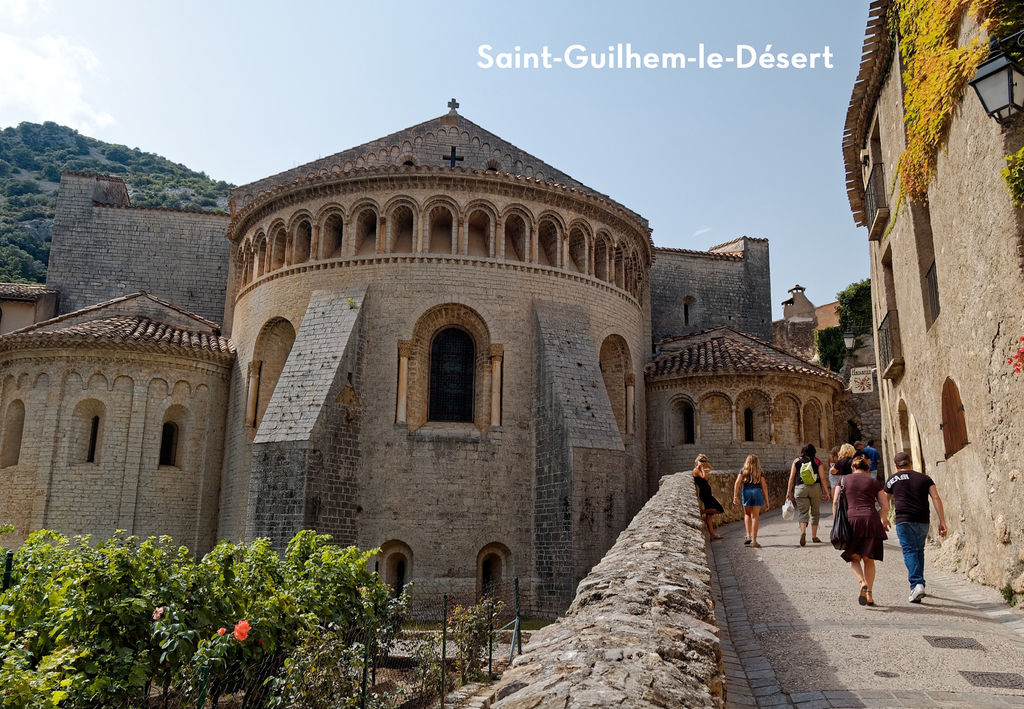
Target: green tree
x,y
855,308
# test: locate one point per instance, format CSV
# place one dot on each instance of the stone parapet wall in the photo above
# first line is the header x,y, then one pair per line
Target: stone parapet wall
x,y
641,631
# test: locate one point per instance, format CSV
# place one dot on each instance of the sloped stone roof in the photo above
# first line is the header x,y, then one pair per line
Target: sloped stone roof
x,y
23,291
723,350
137,321
428,144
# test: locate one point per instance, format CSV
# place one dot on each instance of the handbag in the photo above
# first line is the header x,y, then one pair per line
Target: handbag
x,y
842,530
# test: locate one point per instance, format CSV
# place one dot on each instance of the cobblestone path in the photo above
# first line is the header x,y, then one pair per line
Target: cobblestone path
x,y
794,635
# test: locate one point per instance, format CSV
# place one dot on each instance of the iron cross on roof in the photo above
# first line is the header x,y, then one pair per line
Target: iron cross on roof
x,y
453,104
453,158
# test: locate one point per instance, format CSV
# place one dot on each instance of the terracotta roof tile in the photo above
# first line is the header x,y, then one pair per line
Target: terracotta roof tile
x,y
23,291
724,350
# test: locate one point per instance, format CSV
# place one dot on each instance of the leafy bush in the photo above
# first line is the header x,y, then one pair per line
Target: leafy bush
x,y
831,348
86,625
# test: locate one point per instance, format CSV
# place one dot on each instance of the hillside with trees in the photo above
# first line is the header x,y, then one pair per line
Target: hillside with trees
x,y
32,156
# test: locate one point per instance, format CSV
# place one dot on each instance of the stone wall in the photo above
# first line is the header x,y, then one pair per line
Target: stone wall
x,y
722,487
104,248
641,631
730,288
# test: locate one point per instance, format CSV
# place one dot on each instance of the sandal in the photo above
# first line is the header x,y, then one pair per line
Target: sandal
x,y
746,541
862,598
869,600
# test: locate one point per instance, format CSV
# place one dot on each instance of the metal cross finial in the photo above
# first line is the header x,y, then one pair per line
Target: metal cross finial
x,y
453,158
453,104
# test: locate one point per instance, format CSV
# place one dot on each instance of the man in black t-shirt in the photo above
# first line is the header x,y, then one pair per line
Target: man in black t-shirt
x,y
910,491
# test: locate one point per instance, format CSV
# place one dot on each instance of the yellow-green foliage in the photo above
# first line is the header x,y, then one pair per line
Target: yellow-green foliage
x,y
1013,174
935,73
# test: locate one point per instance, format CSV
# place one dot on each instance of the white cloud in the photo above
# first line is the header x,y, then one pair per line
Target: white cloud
x,y
700,232
19,11
43,79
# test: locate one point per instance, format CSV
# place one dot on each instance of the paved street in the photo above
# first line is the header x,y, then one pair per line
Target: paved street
x,y
794,635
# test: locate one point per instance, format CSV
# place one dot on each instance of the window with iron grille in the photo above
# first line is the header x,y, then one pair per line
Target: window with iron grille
x,y
932,283
452,356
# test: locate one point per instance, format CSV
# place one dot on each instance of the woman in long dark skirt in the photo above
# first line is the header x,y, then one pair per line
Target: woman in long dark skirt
x,y
865,546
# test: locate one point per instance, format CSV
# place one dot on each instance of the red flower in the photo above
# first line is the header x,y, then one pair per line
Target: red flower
x,y
241,630
221,631
158,612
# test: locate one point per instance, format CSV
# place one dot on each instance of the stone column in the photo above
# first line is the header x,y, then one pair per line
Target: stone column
x,y
497,355
254,387
735,432
382,230
532,244
461,237
404,351
314,244
771,423
630,398
498,240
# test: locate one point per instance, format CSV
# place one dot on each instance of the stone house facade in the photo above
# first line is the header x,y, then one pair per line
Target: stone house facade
x,y
433,344
947,308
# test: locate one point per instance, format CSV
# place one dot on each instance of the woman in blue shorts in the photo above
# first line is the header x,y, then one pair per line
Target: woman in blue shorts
x,y
755,496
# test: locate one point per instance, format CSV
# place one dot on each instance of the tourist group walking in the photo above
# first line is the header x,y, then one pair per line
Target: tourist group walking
x,y
861,505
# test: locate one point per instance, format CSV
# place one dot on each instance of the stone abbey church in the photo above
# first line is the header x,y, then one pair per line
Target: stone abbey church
x,y
434,343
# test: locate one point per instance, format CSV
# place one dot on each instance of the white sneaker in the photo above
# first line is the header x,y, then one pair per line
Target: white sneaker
x,y
917,593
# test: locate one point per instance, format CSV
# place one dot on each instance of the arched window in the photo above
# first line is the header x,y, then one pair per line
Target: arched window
x,y
397,565
169,444
491,569
14,426
954,424
688,302
87,433
273,345
452,359
748,424
687,422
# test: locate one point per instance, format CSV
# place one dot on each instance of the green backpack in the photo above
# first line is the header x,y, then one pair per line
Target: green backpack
x,y
807,473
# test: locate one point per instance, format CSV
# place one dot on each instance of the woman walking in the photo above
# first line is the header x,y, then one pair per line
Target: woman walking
x,y
862,490
806,487
842,467
701,468
755,496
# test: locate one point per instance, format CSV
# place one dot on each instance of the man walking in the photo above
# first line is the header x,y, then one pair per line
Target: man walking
x,y
910,491
872,455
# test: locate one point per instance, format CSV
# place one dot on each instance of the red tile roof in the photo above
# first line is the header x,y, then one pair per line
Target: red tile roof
x,y
23,291
723,351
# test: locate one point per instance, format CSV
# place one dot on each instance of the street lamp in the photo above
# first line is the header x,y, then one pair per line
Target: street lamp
x,y
849,340
1000,82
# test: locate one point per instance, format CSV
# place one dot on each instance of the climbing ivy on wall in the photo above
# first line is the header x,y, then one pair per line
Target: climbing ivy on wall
x,y
935,74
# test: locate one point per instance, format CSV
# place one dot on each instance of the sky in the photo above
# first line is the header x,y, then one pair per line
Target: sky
x,y
243,90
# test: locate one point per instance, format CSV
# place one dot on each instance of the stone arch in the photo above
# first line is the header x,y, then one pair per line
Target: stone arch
x,y
618,266
278,246
549,241
615,361
300,237
480,230
396,565
786,418
602,253
366,221
954,423
332,231
493,564
273,345
715,416
88,421
441,221
516,236
579,240
401,226
428,325
682,421
752,416
14,428
244,260
813,424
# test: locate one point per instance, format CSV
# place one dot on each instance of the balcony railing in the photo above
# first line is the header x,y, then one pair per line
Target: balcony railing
x,y
932,287
890,349
875,206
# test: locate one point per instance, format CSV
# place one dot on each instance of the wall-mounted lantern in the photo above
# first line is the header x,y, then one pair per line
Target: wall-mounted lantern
x,y
999,82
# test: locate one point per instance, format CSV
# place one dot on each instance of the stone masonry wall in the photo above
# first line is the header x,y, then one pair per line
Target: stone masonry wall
x,y
725,290
102,248
641,631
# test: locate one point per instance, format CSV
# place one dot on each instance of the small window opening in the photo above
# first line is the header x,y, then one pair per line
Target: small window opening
x,y
169,444
748,424
94,433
